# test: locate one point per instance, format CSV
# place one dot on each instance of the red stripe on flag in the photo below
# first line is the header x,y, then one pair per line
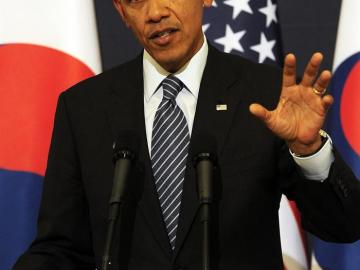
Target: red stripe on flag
x,y
32,77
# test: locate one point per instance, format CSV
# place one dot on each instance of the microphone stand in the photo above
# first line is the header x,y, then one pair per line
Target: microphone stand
x,y
114,212
205,220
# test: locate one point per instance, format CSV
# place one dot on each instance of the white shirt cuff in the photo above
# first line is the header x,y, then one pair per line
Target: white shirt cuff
x,y
316,167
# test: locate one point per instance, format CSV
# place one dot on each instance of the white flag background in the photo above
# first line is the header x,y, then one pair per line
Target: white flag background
x,y
66,25
348,36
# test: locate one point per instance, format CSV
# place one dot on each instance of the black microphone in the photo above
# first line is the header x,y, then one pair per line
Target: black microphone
x,y
124,152
204,158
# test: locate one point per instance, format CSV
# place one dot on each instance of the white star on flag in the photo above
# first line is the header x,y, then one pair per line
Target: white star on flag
x,y
231,40
270,12
264,48
214,4
239,6
205,27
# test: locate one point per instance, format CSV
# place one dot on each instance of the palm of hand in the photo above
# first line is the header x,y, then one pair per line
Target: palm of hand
x,y
300,112
298,115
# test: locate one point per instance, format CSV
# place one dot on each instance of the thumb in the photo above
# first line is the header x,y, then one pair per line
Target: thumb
x,y
260,112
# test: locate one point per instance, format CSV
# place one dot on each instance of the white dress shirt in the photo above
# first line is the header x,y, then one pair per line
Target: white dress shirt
x,y
315,167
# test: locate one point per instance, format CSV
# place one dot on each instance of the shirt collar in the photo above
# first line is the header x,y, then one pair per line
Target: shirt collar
x,y
190,74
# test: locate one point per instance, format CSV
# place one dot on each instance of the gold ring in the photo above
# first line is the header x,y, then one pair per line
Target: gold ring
x,y
319,93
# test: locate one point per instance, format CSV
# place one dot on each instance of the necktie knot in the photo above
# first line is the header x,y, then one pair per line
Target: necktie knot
x,y
172,87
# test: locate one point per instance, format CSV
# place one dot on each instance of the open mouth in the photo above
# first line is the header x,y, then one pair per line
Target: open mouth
x,y
163,33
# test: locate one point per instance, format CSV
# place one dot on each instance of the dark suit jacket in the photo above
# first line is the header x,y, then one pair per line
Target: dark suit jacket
x,y
254,169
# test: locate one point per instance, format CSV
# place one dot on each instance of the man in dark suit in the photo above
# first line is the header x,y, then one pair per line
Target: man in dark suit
x,y
256,162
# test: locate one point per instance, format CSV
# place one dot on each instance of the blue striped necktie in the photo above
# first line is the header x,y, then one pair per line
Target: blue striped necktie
x,y
169,150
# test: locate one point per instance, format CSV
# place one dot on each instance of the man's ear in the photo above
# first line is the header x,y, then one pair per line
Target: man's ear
x,y
120,10
208,3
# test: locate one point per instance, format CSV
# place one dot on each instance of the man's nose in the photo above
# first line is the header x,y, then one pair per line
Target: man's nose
x,y
157,10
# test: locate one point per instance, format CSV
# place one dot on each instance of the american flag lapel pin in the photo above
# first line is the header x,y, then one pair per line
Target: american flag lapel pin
x,y
221,107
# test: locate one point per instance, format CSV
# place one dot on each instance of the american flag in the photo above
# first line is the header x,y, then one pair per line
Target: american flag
x,y
246,27
250,28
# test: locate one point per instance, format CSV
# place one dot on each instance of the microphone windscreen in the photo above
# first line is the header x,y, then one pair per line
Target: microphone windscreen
x,y
127,140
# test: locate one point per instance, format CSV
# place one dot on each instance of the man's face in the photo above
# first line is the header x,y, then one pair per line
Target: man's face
x,y
170,30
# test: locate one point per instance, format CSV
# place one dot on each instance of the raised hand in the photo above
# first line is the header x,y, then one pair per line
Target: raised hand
x,y
302,108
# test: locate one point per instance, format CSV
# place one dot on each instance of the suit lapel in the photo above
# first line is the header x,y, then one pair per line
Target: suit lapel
x,y
219,86
126,112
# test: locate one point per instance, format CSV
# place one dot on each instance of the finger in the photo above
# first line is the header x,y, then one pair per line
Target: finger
x,y
289,73
260,112
312,69
327,101
323,81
